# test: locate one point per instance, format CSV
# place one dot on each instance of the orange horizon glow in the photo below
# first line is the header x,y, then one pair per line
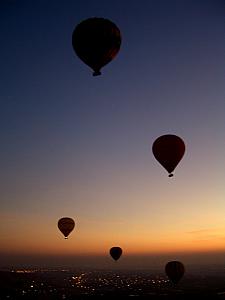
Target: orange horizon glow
x,y
76,245
90,237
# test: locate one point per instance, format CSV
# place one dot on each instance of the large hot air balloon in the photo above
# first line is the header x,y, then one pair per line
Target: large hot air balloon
x,y
168,150
174,270
96,42
66,225
115,252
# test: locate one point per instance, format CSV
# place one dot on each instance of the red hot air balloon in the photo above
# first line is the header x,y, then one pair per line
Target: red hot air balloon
x,y
168,150
66,225
115,252
174,270
96,41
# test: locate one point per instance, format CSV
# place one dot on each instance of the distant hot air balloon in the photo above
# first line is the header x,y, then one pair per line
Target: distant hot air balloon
x,y
115,252
66,225
174,270
168,150
96,42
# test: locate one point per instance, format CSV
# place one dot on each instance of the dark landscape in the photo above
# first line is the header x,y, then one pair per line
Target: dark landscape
x,y
108,284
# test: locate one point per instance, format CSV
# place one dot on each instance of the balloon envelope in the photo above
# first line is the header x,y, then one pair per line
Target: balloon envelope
x,y
96,41
66,225
174,270
115,252
168,150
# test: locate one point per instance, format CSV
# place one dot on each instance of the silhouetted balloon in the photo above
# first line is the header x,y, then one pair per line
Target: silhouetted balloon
x,y
168,150
96,42
66,225
115,252
174,270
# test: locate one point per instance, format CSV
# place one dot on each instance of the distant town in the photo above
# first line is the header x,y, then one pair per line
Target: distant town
x,y
29,283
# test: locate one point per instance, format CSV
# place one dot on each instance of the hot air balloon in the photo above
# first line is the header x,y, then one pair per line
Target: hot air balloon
x,y
66,225
168,150
115,252
174,270
96,41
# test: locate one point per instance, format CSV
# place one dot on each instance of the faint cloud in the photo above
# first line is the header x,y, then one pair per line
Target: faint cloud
x,y
207,234
201,231
98,220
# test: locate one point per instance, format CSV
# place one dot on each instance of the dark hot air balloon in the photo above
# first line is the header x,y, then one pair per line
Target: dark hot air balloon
x,y
168,150
96,42
115,252
174,270
66,225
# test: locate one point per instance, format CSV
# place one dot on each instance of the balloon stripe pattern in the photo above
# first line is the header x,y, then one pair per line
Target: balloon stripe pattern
x,y
168,150
96,41
175,271
66,225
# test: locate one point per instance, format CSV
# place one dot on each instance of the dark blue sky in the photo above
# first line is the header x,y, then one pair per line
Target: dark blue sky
x,y
72,142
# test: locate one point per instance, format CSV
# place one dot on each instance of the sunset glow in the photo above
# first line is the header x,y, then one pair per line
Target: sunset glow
x,y
77,146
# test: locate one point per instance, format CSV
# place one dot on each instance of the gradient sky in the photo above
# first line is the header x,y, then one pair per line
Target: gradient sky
x,y
80,146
